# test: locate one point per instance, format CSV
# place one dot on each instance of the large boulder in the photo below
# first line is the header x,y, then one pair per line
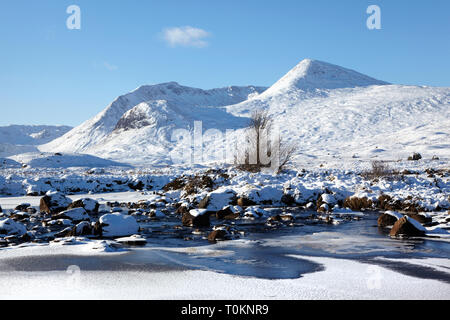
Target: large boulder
x,y
389,218
264,195
420,217
76,215
407,226
118,225
82,229
229,213
217,199
196,218
54,202
218,234
255,213
9,227
22,207
90,205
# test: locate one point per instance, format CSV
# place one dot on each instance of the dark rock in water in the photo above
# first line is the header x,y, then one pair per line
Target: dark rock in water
x,y
134,240
420,218
14,239
287,217
22,207
245,202
54,202
219,234
405,227
19,216
227,214
82,229
27,237
196,218
288,199
386,220
31,210
3,243
276,218
1,210
90,205
67,232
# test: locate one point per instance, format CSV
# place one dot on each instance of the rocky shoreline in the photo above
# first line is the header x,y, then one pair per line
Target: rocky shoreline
x,y
209,202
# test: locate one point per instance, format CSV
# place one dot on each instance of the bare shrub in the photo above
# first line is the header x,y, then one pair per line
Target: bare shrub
x,y
380,169
260,150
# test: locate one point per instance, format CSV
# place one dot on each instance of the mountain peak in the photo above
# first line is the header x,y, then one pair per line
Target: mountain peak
x,y
315,74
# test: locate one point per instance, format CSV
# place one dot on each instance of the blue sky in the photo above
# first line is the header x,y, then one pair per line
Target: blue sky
x,y
52,75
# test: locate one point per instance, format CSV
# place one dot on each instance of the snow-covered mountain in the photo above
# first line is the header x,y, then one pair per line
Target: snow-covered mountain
x,y
15,139
325,109
163,104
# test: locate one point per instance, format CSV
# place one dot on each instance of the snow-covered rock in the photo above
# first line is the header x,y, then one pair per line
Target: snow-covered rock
x,y
76,214
218,199
196,218
90,205
118,225
54,202
255,213
407,226
10,227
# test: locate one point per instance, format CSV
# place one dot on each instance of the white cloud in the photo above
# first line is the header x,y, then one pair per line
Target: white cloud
x,y
186,36
110,67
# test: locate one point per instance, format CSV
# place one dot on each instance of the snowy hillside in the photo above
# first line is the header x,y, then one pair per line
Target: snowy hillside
x,y
330,112
166,104
17,139
58,160
341,120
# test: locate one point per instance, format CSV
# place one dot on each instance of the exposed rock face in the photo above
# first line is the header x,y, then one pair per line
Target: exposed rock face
x,y
357,204
89,205
228,213
245,202
196,218
82,229
420,218
415,157
76,215
219,234
54,202
407,227
386,220
22,207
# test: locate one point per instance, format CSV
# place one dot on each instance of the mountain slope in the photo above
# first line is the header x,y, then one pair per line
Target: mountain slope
x,y
328,111
15,139
179,99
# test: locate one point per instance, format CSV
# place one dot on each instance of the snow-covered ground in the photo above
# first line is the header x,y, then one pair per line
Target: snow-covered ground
x,y
341,279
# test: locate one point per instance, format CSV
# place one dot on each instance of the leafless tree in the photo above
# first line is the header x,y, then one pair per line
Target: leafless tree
x,y
260,149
